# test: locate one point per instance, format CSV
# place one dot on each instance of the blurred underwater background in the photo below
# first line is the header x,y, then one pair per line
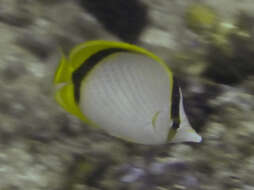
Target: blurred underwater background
x,y
209,45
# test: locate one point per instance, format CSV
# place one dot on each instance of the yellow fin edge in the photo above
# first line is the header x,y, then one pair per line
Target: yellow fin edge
x,y
65,97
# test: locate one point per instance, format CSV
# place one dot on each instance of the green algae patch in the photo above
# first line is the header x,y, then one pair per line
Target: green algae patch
x,y
200,18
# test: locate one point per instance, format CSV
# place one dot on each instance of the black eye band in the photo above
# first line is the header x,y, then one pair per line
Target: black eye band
x,y
79,74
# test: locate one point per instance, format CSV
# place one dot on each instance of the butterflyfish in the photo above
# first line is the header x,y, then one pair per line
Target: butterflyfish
x,y
124,89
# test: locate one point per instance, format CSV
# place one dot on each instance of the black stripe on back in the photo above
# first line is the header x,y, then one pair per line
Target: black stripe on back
x,y
175,105
79,74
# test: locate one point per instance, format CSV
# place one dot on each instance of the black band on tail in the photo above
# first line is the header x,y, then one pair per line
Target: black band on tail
x,y
175,105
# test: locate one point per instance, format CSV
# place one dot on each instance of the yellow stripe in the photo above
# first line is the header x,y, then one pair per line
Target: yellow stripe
x,y
155,116
171,134
65,97
63,73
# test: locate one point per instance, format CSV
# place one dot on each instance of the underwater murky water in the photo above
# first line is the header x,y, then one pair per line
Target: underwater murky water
x,y
208,47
